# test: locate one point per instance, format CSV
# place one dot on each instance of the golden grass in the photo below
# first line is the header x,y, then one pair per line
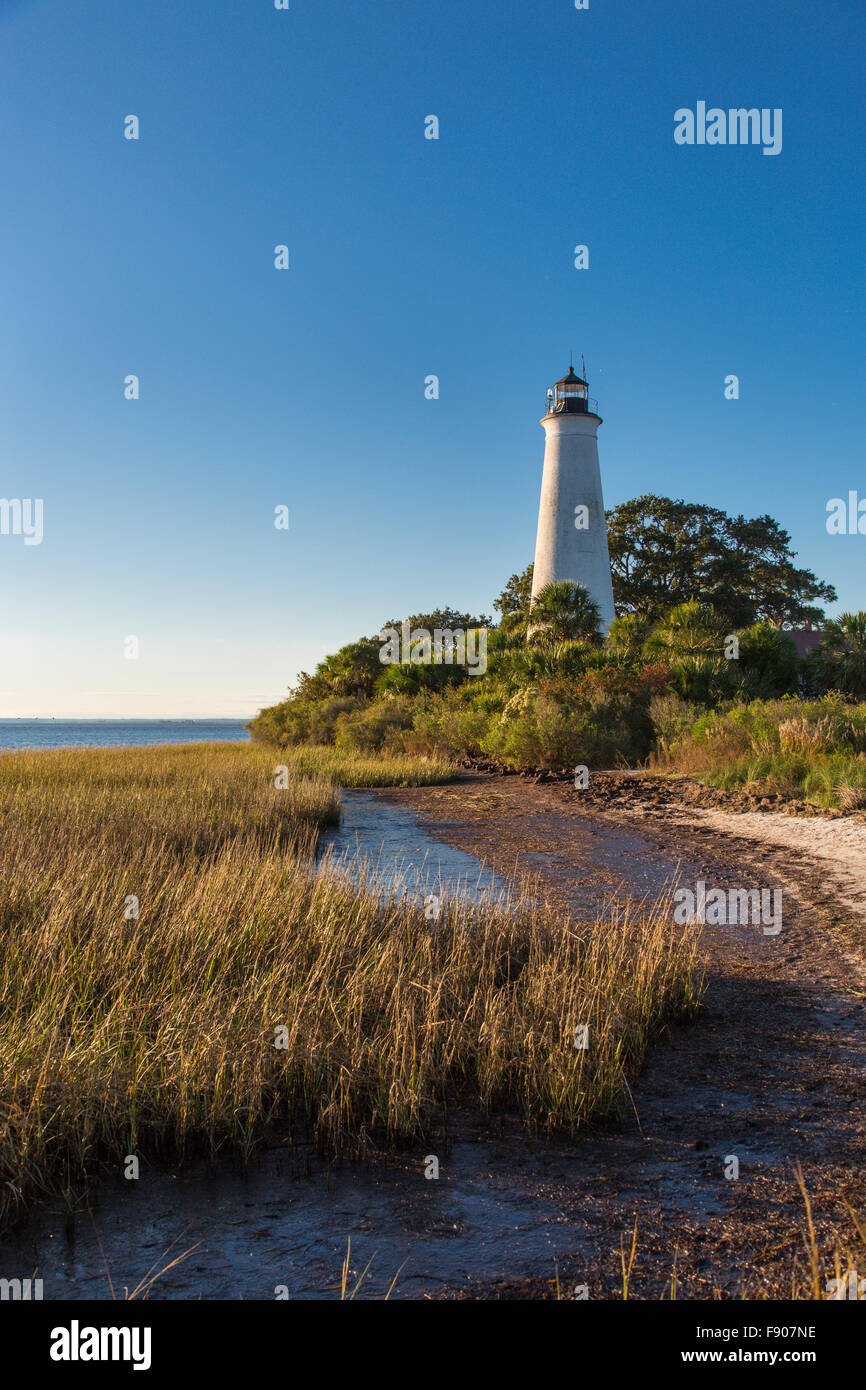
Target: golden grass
x,y
158,1034
351,768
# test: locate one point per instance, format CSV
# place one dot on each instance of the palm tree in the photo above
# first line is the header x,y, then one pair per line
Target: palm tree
x,y
691,629
628,633
564,612
841,653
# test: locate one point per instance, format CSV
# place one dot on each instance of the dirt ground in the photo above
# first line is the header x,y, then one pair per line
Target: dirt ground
x,y
772,1071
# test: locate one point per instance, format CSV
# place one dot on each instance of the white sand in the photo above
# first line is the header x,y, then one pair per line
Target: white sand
x,y
838,844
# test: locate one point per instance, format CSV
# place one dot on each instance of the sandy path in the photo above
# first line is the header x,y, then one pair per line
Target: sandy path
x,y
839,844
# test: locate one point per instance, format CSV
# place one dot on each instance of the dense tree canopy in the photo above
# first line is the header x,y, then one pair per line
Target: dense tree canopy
x,y
513,602
445,619
666,552
356,669
353,670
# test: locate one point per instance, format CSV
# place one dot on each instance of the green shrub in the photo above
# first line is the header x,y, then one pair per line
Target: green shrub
x,y
545,734
672,717
377,726
811,749
448,726
298,721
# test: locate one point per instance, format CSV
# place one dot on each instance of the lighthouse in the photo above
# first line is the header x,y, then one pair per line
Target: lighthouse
x,y
572,534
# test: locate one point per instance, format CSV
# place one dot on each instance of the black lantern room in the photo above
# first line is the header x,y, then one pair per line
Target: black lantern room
x,y
570,395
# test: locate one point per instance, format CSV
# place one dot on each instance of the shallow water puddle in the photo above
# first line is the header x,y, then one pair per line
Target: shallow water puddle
x,y
256,1233
385,845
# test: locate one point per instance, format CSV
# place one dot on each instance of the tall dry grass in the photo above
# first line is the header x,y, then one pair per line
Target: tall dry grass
x,y
814,750
158,1034
353,768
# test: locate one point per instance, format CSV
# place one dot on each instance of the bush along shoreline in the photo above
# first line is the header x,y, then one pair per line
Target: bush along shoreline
x,y
679,691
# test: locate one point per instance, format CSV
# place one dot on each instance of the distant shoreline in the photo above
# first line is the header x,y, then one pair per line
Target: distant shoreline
x,y
46,733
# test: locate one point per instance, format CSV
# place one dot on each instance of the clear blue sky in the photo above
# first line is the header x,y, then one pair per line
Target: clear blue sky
x,y
408,257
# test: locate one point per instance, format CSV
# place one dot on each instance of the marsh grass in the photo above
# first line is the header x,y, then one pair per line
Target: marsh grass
x,y
814,750
158,1035
351,768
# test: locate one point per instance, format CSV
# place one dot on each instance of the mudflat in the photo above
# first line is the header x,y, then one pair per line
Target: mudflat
x,y
771,1074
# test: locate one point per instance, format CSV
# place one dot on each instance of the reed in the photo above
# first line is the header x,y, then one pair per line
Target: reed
x,y
253,992
351,768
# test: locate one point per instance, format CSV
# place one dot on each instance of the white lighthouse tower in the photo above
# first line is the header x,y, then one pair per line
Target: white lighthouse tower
x,y
572,534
